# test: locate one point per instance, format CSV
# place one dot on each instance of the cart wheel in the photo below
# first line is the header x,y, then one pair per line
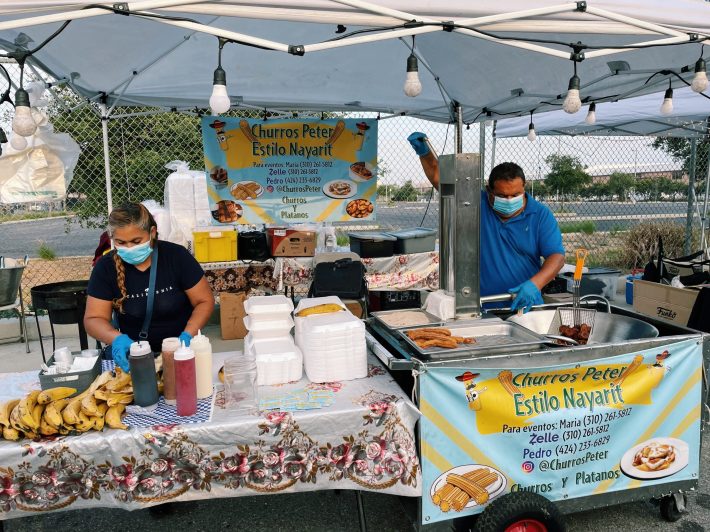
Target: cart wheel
x,y
669,508
521,512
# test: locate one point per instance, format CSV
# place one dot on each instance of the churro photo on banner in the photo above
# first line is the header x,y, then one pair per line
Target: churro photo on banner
x,y
285,171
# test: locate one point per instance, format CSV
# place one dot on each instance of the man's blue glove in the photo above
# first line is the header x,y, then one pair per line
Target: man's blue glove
x,y
526,295
119,350
416,139
185,338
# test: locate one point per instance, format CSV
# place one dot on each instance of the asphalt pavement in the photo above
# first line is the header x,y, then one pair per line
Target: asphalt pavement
x,y
68,238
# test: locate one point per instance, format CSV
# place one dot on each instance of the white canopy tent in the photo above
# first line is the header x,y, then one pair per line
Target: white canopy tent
x,y
477,60
634,116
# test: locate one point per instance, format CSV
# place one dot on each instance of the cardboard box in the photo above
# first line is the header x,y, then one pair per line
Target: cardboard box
x,y
285,242
231,315
664,302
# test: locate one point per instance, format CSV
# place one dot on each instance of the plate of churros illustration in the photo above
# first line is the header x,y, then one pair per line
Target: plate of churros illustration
x,y
655,458
245,190
466,486
340,189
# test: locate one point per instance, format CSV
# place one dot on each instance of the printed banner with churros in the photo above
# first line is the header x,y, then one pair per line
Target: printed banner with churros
x,y
291,171
578,428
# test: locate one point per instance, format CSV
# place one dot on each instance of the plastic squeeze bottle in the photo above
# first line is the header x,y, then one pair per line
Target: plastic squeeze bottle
x,y
200,344
170,345
185,385
145,382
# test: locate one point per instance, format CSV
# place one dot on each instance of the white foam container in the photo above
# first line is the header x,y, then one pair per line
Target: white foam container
x,y
268,328
264,306
278,360
335,365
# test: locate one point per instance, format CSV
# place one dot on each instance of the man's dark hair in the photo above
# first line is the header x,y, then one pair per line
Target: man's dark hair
x,y
507,172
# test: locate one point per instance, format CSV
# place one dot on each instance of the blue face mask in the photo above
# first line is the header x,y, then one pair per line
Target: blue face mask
x,y
136,254
506,206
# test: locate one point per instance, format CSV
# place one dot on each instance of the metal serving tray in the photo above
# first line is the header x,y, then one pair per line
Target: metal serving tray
x,y
381,317
493,336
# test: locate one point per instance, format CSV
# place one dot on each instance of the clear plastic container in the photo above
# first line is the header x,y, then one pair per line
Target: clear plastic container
x,y
265,306
240,390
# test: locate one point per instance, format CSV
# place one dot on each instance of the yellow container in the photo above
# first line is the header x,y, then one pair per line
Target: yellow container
x,y
215,245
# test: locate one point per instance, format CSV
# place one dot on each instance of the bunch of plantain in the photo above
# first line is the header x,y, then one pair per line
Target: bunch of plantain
x,y
325,308
59,411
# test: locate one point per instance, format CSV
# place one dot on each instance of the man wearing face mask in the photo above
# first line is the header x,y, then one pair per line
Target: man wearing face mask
x,y
516,232
119,282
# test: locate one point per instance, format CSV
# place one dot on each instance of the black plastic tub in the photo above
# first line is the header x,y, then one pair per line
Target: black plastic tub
x,y
64,301
372,244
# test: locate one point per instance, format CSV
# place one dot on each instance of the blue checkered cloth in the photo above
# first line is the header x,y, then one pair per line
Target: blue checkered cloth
x,y
164,414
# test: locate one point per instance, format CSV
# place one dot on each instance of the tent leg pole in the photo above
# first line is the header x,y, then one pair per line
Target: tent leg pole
x,y
482,147
107,161
691,190
703,220
459,127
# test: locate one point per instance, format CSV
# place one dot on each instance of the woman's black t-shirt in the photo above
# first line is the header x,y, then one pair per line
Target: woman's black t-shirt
x,y
178,271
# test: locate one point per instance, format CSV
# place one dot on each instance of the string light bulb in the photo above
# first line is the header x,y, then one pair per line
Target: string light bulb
x,y
700,81
219,100
667,105
572,102
23,123
3,137
412,85
591,117
531,129
18,142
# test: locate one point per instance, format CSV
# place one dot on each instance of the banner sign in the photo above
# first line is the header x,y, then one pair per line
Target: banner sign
x,y
290,171
566,431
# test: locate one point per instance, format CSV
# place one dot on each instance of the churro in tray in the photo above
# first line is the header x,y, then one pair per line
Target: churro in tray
x,y
430,337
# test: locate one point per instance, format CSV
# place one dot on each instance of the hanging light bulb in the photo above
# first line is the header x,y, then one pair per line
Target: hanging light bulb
x,y
219,101
22,123
700,81
667,105
3,137
591,117
572,102
412,85
531,129
489,118
18,142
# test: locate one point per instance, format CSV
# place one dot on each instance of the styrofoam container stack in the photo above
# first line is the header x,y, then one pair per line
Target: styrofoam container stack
x,y
333,344
278,360
269,323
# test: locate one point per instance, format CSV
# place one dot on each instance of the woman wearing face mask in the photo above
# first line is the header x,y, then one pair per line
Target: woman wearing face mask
x,y
183,300
516,233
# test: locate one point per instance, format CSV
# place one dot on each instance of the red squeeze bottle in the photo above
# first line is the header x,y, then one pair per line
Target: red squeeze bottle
x,y
185,381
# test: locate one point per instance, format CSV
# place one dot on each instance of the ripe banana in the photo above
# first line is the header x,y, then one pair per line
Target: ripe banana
x,y
52,413
15,421
121,380
326,308
45,429
88,405
113,417
101,418
26,408
120,398
54,394
70,414
85,423
10,433
37,414
5,410
101,394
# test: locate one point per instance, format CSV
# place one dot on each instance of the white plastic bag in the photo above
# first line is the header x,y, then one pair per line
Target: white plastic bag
x,y
161,216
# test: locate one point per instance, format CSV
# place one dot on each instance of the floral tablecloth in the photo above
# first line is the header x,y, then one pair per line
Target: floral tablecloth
x,y
239,276
418,271
362,439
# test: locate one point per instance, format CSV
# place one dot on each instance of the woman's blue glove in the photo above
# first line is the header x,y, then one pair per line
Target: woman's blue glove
x,y
119,350
416,139
526,295
185,338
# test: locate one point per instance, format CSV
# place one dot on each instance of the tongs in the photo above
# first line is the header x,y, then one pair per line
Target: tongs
x,y
575,316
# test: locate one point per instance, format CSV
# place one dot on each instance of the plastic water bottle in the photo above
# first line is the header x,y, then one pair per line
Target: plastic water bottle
x,y
185,381
200,344
145,382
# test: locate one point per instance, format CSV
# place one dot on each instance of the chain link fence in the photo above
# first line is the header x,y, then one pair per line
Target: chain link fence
x,y
600,188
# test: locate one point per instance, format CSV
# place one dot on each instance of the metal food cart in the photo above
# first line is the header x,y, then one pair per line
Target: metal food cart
x,y
516,428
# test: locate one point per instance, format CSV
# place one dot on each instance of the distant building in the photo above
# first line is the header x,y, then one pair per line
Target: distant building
x,y
601,173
